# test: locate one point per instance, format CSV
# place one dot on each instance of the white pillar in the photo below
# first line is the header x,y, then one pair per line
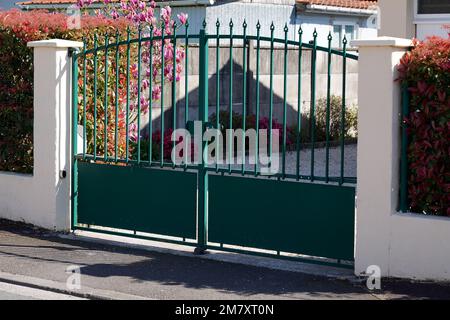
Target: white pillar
x,y
52,116
378,149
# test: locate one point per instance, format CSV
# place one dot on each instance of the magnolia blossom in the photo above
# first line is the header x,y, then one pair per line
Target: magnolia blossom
x,y
83,3
182,17
142,15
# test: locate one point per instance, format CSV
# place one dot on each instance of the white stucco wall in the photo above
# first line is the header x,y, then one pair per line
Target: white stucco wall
x,y
7,4
43,198
402,245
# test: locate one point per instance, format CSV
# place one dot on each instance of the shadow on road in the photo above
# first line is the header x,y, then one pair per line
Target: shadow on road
x,y
171,276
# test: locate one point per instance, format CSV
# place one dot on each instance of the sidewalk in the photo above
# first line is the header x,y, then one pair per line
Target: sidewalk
x,y
41,258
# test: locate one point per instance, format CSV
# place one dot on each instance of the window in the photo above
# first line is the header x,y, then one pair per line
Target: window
x,y
433,7
339,30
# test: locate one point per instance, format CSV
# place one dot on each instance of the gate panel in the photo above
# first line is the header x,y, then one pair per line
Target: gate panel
x,y
118,176
138,199
303,218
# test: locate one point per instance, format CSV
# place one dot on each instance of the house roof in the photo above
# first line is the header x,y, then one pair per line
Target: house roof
x,y
353,4
58,2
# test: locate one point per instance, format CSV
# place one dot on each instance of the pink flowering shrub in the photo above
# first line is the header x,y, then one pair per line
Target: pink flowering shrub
x,y
141,16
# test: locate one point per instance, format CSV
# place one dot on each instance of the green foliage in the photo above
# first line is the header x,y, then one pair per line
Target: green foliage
x,y
335,120
426,72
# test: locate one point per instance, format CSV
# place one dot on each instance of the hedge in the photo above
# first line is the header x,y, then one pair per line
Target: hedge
x,y
426,72
16,76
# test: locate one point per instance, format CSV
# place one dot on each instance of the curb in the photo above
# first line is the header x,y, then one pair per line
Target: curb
x,y
58,287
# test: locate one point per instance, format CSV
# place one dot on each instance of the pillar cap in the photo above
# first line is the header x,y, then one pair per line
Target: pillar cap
x,y
55,43
383,42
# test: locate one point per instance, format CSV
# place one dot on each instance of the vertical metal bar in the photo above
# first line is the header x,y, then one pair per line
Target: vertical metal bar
x,y
272,29
299,100
161,160
328,114
174,83
244,92
230,97
344,88
116,120
186,89
286,29
218,93
150,100
404,206
257,116
127,120
74,197
313,101
202,174
105,107
84,99
139,88
95,96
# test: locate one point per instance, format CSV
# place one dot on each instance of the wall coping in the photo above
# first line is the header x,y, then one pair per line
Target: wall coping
x,y
55,43
383,42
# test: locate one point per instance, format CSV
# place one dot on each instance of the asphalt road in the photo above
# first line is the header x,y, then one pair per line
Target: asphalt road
x,y
156,275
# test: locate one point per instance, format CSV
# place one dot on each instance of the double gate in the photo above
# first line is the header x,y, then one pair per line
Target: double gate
x,y
125,182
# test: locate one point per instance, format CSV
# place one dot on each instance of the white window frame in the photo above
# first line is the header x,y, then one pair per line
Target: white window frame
x,y
429,18
343,24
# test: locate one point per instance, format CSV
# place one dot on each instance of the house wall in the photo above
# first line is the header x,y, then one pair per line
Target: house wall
x,y
264,83
399,19
324,24
266,13
279,12
7,4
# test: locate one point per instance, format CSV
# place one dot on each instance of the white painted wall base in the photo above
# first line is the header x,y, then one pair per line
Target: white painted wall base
x,y
43,198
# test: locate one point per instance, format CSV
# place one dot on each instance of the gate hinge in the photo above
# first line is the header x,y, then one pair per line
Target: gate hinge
x,y
73,51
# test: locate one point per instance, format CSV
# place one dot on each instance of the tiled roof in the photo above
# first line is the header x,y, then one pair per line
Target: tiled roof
x,y
354,4
37,2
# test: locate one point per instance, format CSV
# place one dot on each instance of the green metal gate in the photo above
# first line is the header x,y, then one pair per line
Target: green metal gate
x,y
128,186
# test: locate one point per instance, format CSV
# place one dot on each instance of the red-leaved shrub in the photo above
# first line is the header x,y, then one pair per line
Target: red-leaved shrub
x,y
426,72
16,76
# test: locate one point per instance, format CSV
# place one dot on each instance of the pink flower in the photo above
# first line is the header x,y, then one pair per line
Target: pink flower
x,y
145,84
114,14
156,93
182,17
166,12
132,131
83,3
